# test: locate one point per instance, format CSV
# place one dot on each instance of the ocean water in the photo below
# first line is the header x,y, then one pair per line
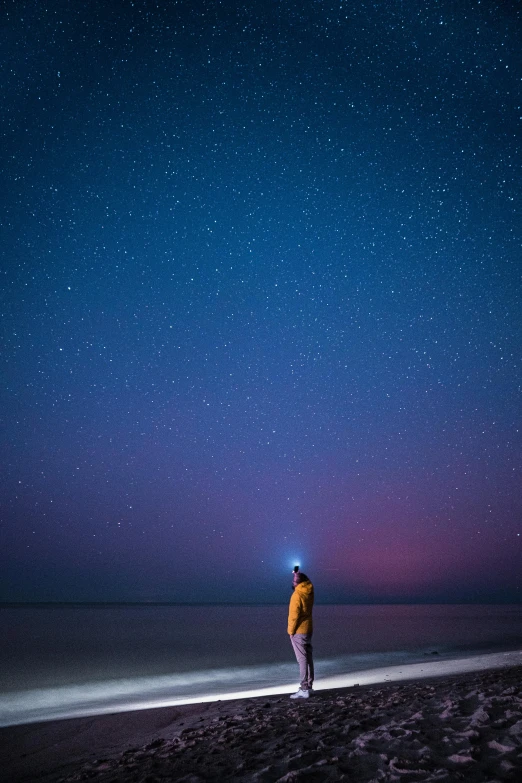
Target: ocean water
x,y
69,660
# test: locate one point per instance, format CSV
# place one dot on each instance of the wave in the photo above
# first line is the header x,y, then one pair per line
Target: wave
x,y
122,695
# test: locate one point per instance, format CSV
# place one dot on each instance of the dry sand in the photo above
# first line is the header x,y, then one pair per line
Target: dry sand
x,y
466,727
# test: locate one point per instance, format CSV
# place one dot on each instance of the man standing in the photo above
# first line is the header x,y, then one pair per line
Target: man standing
x,y
300,629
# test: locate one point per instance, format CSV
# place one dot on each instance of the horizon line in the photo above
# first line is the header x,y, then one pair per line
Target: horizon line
x,y
464,602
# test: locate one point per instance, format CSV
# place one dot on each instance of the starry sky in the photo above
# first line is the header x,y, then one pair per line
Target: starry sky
x,y
261,300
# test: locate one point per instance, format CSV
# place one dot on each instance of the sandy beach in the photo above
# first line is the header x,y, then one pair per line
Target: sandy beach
x,y
462,727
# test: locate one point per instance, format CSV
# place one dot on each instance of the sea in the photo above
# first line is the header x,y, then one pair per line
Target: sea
x,y
71,660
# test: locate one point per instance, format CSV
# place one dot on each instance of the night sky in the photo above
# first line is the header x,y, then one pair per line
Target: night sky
x,y
261,300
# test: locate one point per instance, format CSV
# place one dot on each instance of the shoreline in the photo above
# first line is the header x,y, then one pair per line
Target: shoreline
x,y
465,725
121,696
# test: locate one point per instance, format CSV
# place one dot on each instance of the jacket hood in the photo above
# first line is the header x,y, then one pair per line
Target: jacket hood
x,y
304,588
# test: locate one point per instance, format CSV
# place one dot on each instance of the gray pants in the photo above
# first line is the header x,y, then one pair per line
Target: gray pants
x,y
302,644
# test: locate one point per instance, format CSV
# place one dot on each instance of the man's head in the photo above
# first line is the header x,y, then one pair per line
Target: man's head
x,y
299,577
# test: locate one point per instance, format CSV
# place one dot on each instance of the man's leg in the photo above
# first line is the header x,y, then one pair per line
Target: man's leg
x,y
302,644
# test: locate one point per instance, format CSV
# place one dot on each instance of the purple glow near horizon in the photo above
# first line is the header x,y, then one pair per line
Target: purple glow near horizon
x,y
261,301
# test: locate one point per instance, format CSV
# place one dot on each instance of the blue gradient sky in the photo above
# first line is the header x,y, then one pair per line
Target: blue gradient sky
x,y
261,300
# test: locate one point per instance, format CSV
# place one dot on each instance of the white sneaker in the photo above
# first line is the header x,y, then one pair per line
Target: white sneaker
x,y
300,695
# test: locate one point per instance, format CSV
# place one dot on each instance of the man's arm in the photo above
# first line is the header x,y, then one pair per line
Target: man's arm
x,y
294,612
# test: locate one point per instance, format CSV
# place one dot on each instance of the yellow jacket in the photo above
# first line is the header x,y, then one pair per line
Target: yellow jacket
x,y
300,609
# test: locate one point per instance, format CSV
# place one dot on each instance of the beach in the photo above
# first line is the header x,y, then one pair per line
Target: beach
x,y
466,726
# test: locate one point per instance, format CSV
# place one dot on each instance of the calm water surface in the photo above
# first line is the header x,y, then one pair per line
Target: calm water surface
x,y
49,646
